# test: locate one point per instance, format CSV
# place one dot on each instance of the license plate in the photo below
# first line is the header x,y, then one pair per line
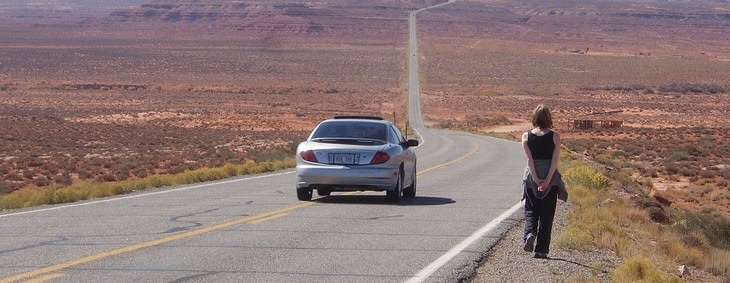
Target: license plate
x,y
343,158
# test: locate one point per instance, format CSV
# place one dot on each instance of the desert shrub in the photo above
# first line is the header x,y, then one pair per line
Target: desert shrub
x,y
687,172
579,145
41,181
725,173
724,182
6,187
275,154
76,192
633,150
121,175
715,227
230,170
575,238
105,178
649,172
679,155
140,172
683,248
607,160
84,174
719,263
671,168
225,152
587,176
13,177
708,173
641,269
693,88
625,88
693,150
64,180
177,169
621,176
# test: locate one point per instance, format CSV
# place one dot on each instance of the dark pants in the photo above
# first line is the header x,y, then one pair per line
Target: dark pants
x,y
539,215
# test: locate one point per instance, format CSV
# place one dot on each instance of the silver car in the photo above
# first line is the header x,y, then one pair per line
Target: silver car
x,y
354,153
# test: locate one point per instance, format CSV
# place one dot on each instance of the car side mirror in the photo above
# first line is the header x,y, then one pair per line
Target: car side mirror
x,y
411,143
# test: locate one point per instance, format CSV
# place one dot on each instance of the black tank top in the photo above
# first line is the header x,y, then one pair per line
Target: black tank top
x,y
541,147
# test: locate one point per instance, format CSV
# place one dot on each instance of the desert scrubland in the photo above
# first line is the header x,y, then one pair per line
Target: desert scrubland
x,y
139,92
661,69
656,74
170,86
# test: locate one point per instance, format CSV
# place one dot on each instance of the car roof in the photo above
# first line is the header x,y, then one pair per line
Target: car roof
x,y
359,117
373,119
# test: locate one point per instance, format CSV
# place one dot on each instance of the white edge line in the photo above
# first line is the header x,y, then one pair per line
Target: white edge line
x,y
145,194
423,140
445,258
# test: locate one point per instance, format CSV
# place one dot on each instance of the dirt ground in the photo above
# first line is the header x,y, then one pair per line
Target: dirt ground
x,y
108,98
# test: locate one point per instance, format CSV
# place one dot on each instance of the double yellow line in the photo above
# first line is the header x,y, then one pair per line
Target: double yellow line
x,y
50,272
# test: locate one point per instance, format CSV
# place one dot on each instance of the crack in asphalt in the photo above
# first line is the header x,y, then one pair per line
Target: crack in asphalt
x,y
192,224
39,244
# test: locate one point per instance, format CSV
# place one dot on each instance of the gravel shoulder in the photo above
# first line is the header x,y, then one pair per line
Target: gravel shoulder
x,y
507,262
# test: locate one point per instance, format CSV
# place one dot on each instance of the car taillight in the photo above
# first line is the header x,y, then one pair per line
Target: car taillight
x,y
380,158
308,155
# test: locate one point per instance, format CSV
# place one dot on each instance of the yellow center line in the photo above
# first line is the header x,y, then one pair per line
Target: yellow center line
x,y
268,218
156,242
258,218
474,150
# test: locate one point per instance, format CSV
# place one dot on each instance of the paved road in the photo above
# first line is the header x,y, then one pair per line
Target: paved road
x,y
253,229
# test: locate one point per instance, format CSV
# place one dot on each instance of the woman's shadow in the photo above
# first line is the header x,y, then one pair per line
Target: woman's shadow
x,y
595,269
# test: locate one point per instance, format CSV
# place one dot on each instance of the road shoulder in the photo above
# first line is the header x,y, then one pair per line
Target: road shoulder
x,y
507,262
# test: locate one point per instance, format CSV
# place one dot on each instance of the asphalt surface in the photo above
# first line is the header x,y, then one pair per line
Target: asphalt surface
x,y
253,229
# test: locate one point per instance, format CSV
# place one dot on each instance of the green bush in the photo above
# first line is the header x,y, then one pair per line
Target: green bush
x,y
715,227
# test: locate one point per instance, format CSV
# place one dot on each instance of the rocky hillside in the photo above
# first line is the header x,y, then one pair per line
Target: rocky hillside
x,y
328,17
164,18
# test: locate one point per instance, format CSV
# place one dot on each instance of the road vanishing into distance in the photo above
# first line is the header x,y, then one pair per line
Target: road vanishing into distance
x,y
253,228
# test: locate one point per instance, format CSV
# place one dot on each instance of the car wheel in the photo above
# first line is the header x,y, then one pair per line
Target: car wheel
x,y
324,192
410,191
394,195
304,194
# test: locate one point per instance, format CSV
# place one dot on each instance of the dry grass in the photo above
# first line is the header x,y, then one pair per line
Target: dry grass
x,y
719,262
604,218
83,190
641,269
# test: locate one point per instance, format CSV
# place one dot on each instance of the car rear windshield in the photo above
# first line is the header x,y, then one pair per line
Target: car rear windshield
x,y
351,131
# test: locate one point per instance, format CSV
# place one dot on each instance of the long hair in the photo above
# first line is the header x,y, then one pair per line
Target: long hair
x,y
541,117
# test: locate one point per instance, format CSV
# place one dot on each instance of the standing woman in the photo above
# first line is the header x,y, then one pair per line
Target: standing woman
x,y
542,181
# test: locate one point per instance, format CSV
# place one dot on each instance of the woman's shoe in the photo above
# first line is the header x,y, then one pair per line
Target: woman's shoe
x,y
529,242
541,255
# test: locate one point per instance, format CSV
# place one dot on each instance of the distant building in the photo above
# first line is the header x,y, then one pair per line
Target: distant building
x,y
590,124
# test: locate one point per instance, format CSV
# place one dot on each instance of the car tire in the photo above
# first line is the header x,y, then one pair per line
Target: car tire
x,y
395,194
324,192
410,191
304,194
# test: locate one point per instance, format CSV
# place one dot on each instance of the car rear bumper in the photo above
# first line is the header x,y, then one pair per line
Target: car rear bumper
x,y
339,177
